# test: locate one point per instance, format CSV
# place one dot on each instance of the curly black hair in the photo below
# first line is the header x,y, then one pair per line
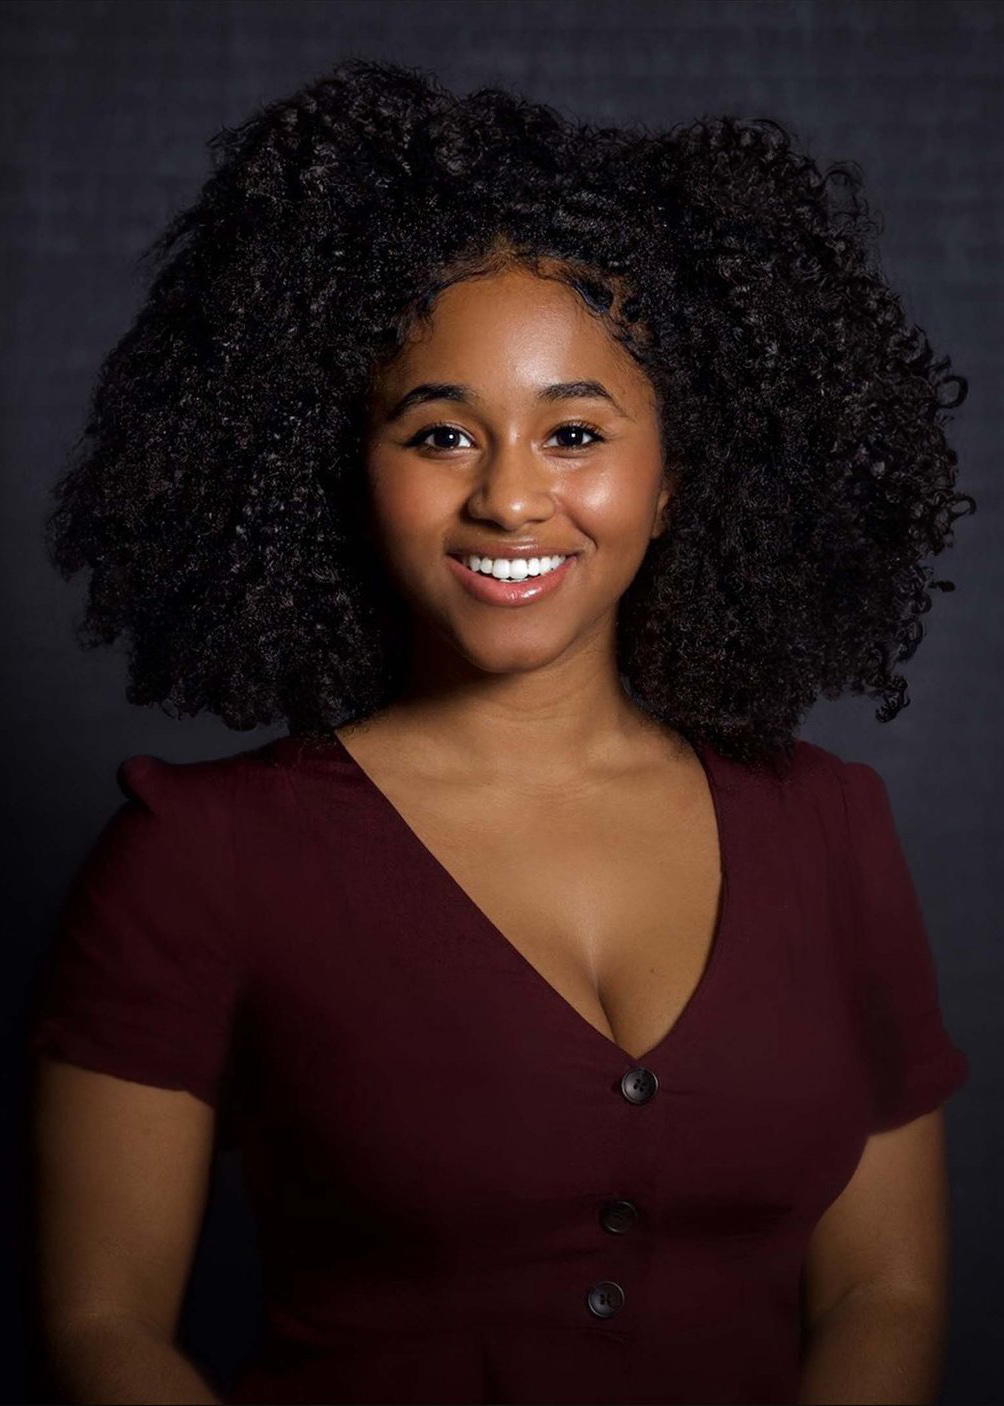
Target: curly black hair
x,y
218,494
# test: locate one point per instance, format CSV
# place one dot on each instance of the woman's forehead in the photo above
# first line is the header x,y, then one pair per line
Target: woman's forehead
x,y
515,332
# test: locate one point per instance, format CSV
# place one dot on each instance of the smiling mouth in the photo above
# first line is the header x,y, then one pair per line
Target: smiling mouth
x,y
524,589
528,567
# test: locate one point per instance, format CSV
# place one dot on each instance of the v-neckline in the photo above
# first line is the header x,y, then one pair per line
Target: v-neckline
x,y
713,963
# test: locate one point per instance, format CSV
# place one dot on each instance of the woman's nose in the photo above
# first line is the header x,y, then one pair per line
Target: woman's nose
x,y
513,482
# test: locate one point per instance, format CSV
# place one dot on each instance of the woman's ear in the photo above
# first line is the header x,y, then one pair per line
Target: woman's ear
x,y
669,481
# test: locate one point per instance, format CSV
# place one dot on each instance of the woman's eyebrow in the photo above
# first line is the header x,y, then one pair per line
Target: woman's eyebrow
x,y
465,395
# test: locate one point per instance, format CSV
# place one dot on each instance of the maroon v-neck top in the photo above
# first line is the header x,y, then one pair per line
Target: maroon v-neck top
x,y
465,1192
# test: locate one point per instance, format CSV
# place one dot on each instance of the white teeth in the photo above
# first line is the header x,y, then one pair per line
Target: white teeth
x,y
513,568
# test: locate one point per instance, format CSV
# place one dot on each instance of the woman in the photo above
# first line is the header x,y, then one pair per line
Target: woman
x,y
576,1021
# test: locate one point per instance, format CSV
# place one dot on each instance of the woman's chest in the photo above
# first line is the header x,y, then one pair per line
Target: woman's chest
x,y
444,1000
612,902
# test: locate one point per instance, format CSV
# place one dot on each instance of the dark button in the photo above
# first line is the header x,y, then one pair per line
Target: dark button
x,y
639,1085
618,1216
605,1298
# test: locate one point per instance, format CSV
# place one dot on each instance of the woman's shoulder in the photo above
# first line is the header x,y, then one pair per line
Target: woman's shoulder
x,y
857,783
213,785
812,764
811,760
184,789
806,765
810,780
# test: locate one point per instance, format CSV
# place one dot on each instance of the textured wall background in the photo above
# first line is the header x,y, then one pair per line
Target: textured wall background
x,y
107,106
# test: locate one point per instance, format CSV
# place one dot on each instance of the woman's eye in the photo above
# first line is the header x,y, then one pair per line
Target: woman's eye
x,y
578,429
448,436
443,431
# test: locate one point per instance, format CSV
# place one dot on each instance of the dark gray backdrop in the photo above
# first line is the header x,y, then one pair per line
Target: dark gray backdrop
x,y
107,106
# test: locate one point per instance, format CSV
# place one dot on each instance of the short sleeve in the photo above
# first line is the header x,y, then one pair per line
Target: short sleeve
x,y
913,1063
141,980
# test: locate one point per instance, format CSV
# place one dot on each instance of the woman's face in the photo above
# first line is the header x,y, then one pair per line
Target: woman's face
x,y
474,449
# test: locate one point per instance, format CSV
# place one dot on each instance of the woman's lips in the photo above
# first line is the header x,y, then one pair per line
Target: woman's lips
x,y
494,592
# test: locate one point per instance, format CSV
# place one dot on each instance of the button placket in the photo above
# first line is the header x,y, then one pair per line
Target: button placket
x,y
617,1215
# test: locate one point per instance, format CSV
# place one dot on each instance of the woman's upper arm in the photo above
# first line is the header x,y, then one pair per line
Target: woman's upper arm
x,y
132,1035
120,1178
913,1064
890,1227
